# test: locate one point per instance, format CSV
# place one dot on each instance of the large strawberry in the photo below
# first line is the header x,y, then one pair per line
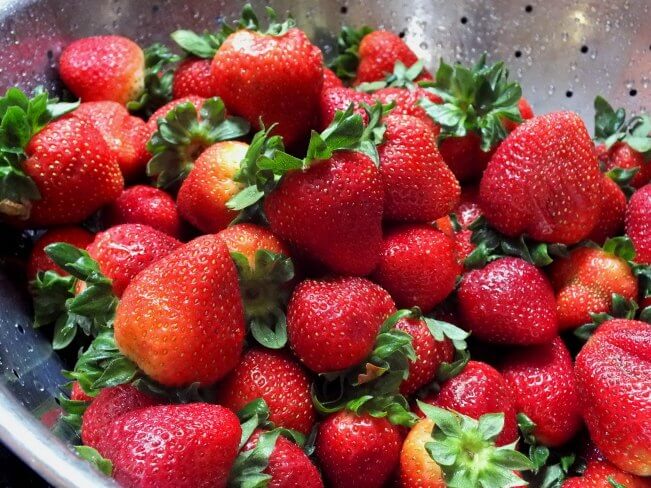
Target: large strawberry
x,y
544,181
39,261
613,374
638,223
509,301
176,340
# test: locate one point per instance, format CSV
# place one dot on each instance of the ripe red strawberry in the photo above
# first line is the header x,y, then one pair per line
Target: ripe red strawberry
x,y
585,282
621,155
358,451
339,98
418,266
332,324
177,340
259,81
330,79
544,181
145,205
247,239
613,375
638,223
193,77
103,68
610,222
418,186
478,390
602,474
464,156
542,381
508,302
125,250
78,394
173,446
417,468
39,261
124,134
407,102
276,378
152,122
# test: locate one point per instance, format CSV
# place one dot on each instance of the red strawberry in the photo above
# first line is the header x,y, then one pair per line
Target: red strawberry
x,y
638,223
124,134
407,102
417,468
78,394
339,98
193,77
418,266
103,68
464,156
621,155
276,378
613,375
358,451
332,324
542,381
544,181
39,261
610,222
177,340
145,205
247,239
418,186
125,250
330,79
601,474
152,122
173,446
478,390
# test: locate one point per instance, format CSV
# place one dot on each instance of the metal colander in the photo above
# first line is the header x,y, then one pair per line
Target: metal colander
x,y
562,52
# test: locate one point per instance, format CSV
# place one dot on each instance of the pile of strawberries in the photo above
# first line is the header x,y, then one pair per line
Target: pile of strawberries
x,y
280,274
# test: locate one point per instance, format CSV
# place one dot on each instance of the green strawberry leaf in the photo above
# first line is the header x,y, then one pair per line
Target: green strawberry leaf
x,y
201,45
73,411
402,77
95,458
614,483
249,21
346,61
248,469
620,308
450,370
611,126
50,292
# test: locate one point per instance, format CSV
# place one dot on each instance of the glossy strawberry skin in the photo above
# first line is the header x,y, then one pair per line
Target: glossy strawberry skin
x,y
585,282
418,186
357,451
312,211
621,155
182,320
464,156
274,78
638,224
276,378
103,68
174,446
125,250
599,473
613,374
145,205
193,77
330,79
508,302
417,468
418,266
74,170
332,324
544,181
542,381
407,102
248,239
340,98
39,261
611,213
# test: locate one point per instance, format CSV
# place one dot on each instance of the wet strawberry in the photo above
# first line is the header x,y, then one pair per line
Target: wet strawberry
x,y
638,223
39,261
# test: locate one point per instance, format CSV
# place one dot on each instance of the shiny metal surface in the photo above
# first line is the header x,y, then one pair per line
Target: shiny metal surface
x,y
563,52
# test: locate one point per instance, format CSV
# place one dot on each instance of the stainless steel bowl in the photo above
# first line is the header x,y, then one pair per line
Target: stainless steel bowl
x,y
563,52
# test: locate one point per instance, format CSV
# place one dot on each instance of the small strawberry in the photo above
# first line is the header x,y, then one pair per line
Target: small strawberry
x,y
39,261
330,79
77,394
103,68
610,222
417,468
624,157
141,204
193,77
339,98
544,181
638,224
357,451
161,329
542,381
613,375
418,266
509,301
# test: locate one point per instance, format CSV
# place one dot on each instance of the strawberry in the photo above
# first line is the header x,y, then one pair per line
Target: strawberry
x,y
613,378
508,302
457,226
145,205
611,212
193,77
248,239
417,468
125,135
125,250
39,261
602,474
479,389
167,446
638,223
159,328
259,81
339,98
586,280
622,156
327,328
544,181
407,102
542,381
418,266
418,186
103,68
357,450
162,112
330,79
464,156
78,394
276,378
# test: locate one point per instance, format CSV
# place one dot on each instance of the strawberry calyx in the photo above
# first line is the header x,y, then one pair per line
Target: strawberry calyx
x,y
73,411
402,77
477,99
611,126
345,63
183,134
465,450
620,308
91,455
